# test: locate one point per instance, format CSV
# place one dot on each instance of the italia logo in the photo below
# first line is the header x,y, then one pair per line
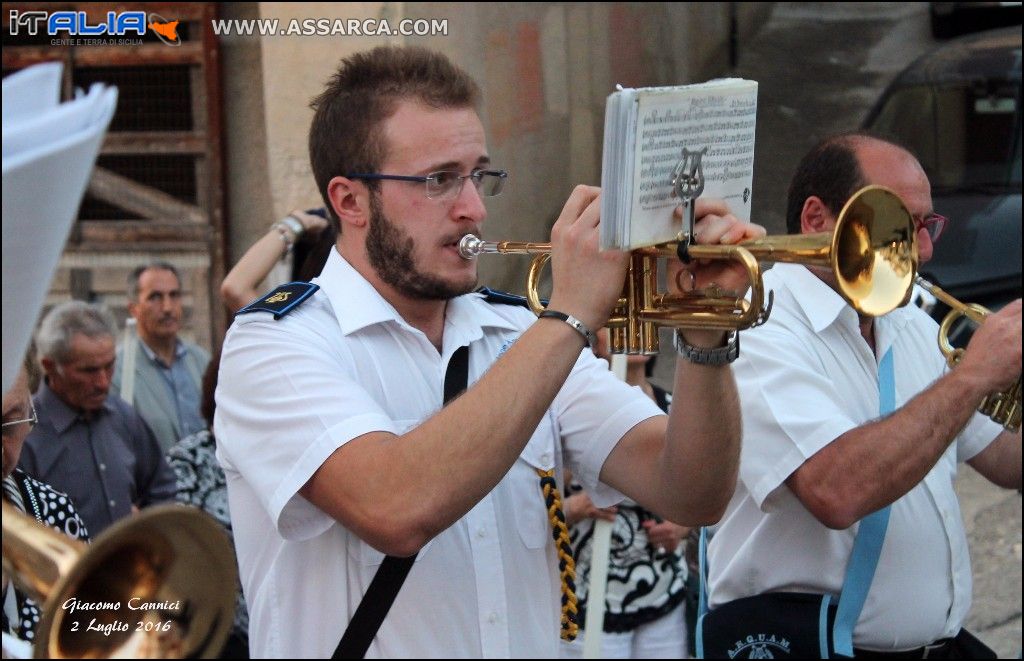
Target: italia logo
x,y
75,24
760,646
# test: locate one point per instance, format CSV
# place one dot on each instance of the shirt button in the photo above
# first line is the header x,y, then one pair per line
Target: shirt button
x,y
112,503
492,618
481,532
103,467
545,458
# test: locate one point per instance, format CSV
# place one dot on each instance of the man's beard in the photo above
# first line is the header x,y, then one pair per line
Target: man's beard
x,y
390,251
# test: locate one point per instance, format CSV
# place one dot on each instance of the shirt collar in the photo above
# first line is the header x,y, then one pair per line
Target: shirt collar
x,y
823,306
468,315
357,304
820,304
57,411
179,350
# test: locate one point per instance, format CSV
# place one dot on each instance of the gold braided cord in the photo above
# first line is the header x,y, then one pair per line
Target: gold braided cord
x,y
566,563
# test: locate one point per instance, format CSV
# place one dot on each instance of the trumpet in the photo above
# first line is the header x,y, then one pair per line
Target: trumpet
x,y
158,585
872,253
1003,407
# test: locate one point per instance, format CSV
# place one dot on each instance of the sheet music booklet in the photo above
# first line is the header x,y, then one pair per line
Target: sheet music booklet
x,y
645,133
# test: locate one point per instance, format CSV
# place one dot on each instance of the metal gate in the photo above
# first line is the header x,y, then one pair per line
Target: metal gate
x,y
157,190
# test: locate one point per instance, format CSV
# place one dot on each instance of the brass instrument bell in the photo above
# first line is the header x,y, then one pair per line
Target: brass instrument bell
x,y
160,584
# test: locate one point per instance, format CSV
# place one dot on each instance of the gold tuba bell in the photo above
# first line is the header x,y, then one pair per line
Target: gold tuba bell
x,y
872,253
160,584
1003,407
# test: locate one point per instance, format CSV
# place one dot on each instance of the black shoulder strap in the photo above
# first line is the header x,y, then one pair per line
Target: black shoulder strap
x,y
391,574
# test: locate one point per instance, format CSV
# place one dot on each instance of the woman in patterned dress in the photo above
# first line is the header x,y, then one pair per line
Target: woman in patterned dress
x,y
37,499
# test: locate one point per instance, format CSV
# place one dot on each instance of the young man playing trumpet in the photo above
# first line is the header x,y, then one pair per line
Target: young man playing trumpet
x,y
330,423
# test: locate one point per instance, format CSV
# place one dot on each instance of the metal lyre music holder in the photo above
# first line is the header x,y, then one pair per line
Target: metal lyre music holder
x,y
687,185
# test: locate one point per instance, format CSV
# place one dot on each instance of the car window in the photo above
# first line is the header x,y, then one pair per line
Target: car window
x,y
966,134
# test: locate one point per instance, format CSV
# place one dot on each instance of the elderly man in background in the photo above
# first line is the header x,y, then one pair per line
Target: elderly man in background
x,y
168,371
88,443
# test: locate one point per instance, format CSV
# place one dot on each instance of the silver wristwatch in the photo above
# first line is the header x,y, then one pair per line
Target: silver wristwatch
x,y
704,356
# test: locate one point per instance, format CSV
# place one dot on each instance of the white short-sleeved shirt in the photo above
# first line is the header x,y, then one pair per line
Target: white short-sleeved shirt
x,y
805,378
344,364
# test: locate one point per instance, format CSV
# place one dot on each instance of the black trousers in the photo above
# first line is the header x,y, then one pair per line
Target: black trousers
x,y
964,646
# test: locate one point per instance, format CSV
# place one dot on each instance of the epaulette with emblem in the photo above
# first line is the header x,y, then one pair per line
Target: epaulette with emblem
x,y
495,296
282,300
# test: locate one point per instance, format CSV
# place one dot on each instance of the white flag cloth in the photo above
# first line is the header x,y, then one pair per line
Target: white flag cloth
x,y
49,149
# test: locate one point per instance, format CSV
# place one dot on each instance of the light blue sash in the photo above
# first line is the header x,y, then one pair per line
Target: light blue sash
x,y
860,571
867,546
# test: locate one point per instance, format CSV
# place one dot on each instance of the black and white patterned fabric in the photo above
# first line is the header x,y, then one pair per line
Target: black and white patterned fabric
x,y
51,508
643,583
201,483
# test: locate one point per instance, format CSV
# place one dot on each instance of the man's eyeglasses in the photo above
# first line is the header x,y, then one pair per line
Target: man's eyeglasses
x,y
14,425
933,224
447,184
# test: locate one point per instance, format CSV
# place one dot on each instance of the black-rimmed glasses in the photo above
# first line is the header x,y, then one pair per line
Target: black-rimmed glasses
x,y
933,223
13,426
447,184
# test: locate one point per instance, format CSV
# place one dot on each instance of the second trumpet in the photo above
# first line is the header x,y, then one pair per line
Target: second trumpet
x,y
1003,407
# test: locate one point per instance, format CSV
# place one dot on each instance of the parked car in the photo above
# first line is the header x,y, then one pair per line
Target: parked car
x,y
958,109
952,18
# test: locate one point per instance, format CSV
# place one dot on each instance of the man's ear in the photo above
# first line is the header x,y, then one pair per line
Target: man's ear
x,y
49,365
815,216
350,200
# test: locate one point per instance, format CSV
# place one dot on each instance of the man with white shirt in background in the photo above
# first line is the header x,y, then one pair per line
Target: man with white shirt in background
x,y
817,458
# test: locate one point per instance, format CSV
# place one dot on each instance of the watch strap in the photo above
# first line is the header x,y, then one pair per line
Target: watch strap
x,y
709,356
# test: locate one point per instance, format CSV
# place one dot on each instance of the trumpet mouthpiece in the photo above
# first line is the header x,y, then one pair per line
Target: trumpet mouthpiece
x,y
470,246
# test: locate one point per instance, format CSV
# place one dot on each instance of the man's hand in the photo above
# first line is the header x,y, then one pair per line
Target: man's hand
x,y
993,356
715,226
586,282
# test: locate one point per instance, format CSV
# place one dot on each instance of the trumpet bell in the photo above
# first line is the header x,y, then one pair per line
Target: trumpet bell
x,y
874,252
158,585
